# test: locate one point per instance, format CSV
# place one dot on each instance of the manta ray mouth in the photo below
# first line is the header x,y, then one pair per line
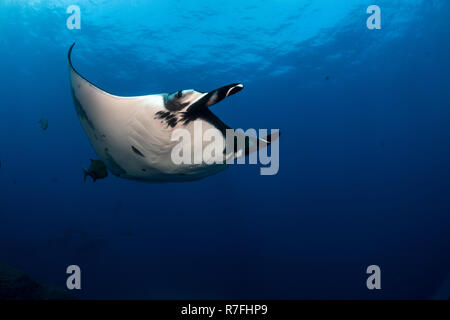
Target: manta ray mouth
x,y
200,108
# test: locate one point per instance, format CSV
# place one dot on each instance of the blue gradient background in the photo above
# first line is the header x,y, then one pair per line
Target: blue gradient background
x,y
364,157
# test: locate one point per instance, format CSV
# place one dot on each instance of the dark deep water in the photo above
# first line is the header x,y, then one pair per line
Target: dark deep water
x,y
364,156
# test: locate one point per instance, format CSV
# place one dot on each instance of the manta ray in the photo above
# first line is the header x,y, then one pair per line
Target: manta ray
x,y
133,135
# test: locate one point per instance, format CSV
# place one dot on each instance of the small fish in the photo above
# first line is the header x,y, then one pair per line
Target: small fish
x,y
97,170
43,123
327,78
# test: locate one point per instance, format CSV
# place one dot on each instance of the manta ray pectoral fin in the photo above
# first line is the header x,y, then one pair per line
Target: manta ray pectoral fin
x,y
214,97
81,79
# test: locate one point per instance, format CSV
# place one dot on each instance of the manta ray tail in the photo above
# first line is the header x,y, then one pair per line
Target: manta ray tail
x,y
255,144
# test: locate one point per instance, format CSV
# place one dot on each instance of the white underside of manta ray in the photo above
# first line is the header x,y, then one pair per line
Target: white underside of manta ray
x,y
133,135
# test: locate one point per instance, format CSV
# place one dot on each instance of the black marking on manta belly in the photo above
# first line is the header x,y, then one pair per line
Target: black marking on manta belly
x,y
187,117
137,151
169,117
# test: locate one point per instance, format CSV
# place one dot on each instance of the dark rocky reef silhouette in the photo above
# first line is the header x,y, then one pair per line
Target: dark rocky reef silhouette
x,y
16,285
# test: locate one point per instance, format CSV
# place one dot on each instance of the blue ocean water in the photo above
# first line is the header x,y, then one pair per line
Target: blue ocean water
x,y
364,151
